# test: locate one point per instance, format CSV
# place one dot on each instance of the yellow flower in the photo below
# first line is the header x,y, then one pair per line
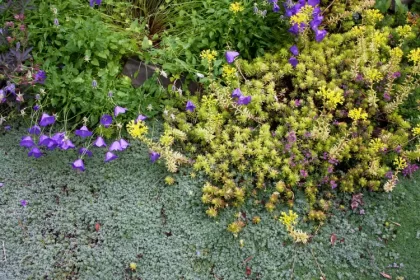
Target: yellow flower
x,y
208,55
403,31
228,72
169,180
137,129
299,236
331,97
373,75
133,266
414,55
212,212
372,16
377,144
358,114
288,219
236,7
304,15
401,163
416,130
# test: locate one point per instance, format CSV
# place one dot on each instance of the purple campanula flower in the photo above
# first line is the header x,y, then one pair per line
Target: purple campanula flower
x,y
230,56
24,203
100,142
154,156
46,120
35,152
106,120
293,61
83,132
119,110
315,22
190,106
40,77
7,127
11,88
294,50
244,100
94,84
313,3
56,22
320,35
93,2
34,130
27,142
2,96
236,93
36,107
115,146
85,151
44,140
141,118
124,144
67,144
276,8
333,184
58,137
78,164
110,156
316,11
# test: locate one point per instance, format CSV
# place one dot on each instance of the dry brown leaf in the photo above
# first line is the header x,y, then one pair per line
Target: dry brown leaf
x,y
333,238
386,275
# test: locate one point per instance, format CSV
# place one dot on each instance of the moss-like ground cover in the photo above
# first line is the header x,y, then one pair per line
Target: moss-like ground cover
x,y
92,225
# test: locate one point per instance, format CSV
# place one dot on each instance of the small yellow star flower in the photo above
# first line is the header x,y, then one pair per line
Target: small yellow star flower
x,y
133,266
236,7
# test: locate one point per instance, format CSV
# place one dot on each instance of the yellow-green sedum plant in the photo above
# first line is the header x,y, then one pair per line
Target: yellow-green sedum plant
x,y
328,121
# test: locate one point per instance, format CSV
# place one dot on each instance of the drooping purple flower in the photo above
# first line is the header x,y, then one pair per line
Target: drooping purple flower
x,y
320,35
34,130
58,137
293,61
115,146
92,2
7,127
119,110
36,108
276,8
40,77
110,156
44,140
315,22
154,156
83,132
236,93
11,88
106,120
244,100
24,203
67,144
100,142
294,50
2,96
316,11
78,164
46,120
297,28
230,56
313,3
94,84
190,106
85,151
141,118
124,144
35,152
27,142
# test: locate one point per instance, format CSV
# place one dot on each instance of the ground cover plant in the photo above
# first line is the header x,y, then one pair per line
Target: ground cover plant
x,y
305,120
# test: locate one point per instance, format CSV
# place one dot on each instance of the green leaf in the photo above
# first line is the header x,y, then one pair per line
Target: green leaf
x,y
95,62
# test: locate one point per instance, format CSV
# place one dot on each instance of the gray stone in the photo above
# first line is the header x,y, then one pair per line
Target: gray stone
x,y
139,72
